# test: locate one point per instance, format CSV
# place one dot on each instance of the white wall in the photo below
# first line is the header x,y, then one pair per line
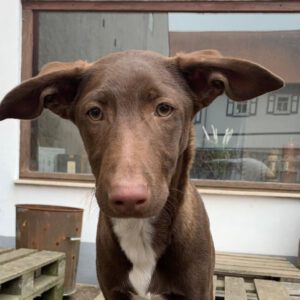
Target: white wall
x,y
255,224
245,224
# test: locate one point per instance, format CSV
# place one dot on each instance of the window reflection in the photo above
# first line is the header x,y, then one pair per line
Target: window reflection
x,y
257,140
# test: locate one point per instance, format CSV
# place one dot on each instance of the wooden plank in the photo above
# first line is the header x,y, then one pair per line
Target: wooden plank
x,y
14,255
291,269
268,264
27,264
5,250
249,286
256,261
9,297
214,286
235,289
26,72
292,287
271,290
246,255
255,271
166,1
251,259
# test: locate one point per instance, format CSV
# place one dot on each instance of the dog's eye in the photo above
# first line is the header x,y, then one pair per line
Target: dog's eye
x,y
164,109
95,113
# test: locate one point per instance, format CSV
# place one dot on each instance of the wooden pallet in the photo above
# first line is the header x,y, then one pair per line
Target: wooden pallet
x,y
27,274
234,288
255,277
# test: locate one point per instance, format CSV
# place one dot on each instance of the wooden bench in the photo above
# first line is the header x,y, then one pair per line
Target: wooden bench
x,y
26,274
255,277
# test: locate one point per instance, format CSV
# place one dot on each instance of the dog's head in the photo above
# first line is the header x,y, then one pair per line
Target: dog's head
x,y
134,111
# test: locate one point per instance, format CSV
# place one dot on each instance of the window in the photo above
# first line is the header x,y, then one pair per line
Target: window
x,y
253,144
241,109
197,119
283,104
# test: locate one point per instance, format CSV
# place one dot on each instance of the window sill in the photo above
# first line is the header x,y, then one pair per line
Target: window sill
x,y
245,192
55,183
202,190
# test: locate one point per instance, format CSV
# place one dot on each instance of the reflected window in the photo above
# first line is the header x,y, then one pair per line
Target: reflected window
x,y
282,105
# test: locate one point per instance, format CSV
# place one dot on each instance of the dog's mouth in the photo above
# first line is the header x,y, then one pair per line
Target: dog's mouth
x,y
129,215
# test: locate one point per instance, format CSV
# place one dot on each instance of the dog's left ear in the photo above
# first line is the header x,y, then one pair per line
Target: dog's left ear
x,y
209,74
55,88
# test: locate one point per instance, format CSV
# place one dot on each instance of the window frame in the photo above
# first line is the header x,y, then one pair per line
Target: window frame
x,y
29,38
232,107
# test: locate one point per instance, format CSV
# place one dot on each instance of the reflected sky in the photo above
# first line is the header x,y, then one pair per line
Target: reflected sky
x,y
233,22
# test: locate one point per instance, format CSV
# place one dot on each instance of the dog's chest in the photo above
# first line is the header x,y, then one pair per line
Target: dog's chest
x,y
135,237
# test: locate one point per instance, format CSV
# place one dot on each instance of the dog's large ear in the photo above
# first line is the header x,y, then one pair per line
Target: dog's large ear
x,y
209,74
55,88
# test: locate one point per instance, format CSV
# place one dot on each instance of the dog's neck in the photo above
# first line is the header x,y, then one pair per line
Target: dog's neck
x,y
178,187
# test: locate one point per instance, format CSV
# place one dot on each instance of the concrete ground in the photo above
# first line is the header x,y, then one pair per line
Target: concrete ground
x,y
84,292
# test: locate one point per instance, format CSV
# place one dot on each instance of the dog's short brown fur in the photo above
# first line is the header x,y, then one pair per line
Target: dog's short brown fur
x,y
134,111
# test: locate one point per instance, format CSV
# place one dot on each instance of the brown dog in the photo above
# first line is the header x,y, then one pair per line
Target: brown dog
x,y
134,111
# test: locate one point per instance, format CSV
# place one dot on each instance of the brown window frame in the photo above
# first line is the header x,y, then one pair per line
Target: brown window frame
x,y
29,12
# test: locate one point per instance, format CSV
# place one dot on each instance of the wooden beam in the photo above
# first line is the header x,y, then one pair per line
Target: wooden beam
x,y
26,72
214,286
163,6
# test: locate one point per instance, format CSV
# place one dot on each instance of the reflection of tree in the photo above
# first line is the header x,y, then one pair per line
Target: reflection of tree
x,y
213,161
231,165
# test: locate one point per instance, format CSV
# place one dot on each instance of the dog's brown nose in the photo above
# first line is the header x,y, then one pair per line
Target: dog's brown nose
x,y
128,196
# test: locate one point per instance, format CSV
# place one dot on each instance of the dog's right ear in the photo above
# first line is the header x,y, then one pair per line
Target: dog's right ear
x,y
55,88
210,74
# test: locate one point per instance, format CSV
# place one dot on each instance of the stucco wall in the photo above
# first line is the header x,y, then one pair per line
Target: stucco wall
x,y
239,223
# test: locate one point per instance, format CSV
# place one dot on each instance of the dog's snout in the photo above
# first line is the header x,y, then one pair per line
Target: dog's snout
x,y
128,196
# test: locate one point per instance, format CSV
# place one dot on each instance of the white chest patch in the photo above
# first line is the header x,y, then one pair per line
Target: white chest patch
x,y
135,237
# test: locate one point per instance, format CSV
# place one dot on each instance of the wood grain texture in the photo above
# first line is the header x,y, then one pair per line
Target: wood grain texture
x,y
250,256
259,272
145,1
258,266
214,286
235,289
5,250
26,274
155,6
27,264
13,255
26,72
271,290
248,284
